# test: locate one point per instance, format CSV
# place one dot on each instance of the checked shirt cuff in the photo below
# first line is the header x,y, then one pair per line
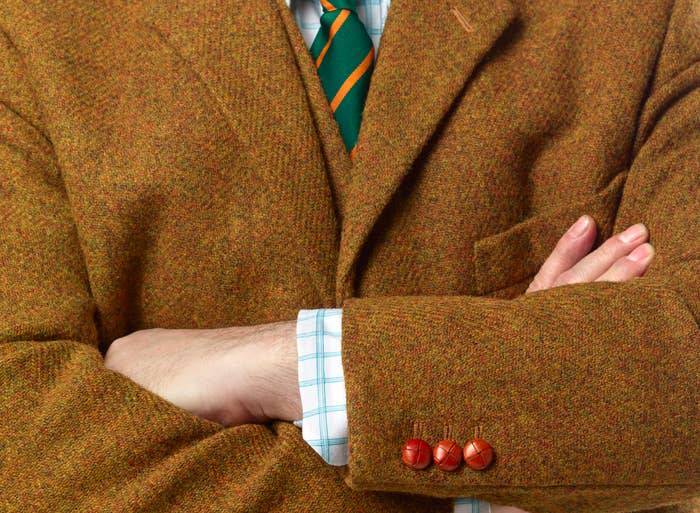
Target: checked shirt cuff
x,y
324,425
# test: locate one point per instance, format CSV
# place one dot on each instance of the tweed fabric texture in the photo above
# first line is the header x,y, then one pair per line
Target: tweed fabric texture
x,y
159,171
324,415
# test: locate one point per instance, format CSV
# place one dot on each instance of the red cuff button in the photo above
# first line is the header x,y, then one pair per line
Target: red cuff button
x,y
447,455
478,454
417,453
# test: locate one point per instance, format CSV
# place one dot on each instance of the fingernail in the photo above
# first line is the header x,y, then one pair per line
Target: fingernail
x,y
640,252
580,226
632,233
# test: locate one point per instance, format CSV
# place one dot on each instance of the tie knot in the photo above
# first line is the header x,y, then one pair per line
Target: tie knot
x,y
332,5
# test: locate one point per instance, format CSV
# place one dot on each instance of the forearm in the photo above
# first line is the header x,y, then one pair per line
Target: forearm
x,y
78,437
551,377
587,392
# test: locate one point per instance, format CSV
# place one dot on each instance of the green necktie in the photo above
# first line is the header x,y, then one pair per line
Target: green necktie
x,y
344,58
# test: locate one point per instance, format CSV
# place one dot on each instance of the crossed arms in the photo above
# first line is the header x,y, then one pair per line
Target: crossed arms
x,y
75,435
248,374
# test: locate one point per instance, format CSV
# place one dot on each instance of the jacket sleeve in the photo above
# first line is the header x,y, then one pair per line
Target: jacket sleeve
x,y
77,437
588,393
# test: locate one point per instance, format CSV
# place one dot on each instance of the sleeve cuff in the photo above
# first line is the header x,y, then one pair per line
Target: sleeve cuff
x,y
324,424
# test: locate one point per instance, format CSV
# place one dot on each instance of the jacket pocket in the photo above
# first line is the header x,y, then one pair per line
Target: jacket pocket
x,y
513,255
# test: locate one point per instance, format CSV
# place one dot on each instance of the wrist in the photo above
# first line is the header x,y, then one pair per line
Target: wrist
x,y
284,398
266,372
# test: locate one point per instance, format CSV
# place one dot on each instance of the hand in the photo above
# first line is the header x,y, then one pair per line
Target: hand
x,y
619,258
231,375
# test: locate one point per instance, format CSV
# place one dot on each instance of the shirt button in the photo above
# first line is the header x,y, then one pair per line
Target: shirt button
x,y
417,454
478,454
447,455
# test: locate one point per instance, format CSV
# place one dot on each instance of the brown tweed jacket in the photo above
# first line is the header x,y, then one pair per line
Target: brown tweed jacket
x,y
173,163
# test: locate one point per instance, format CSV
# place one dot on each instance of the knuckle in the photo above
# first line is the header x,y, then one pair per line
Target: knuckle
x,y
623,270
570,276
549,270
612,275
562,279
630,268
564,244
609,250
117,350
535,284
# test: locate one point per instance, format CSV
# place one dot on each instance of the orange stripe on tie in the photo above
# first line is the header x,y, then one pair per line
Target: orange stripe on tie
x,y
329,6
334,30
352,80
353,152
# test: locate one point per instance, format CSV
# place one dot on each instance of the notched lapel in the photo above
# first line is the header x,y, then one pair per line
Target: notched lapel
x,y
426,55
240,51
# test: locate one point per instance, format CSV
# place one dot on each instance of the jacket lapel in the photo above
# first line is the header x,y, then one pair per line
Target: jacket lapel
x,y
241,52
426,55
337,159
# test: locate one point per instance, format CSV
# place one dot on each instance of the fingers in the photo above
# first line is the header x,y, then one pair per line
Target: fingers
x,y
596,264
633,265
570,248
620,258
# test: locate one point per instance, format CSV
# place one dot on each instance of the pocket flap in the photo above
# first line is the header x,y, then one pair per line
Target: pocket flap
x,y
513,255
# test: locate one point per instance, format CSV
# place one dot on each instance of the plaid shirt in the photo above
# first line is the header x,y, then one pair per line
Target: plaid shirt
x,y
371,12
321,383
